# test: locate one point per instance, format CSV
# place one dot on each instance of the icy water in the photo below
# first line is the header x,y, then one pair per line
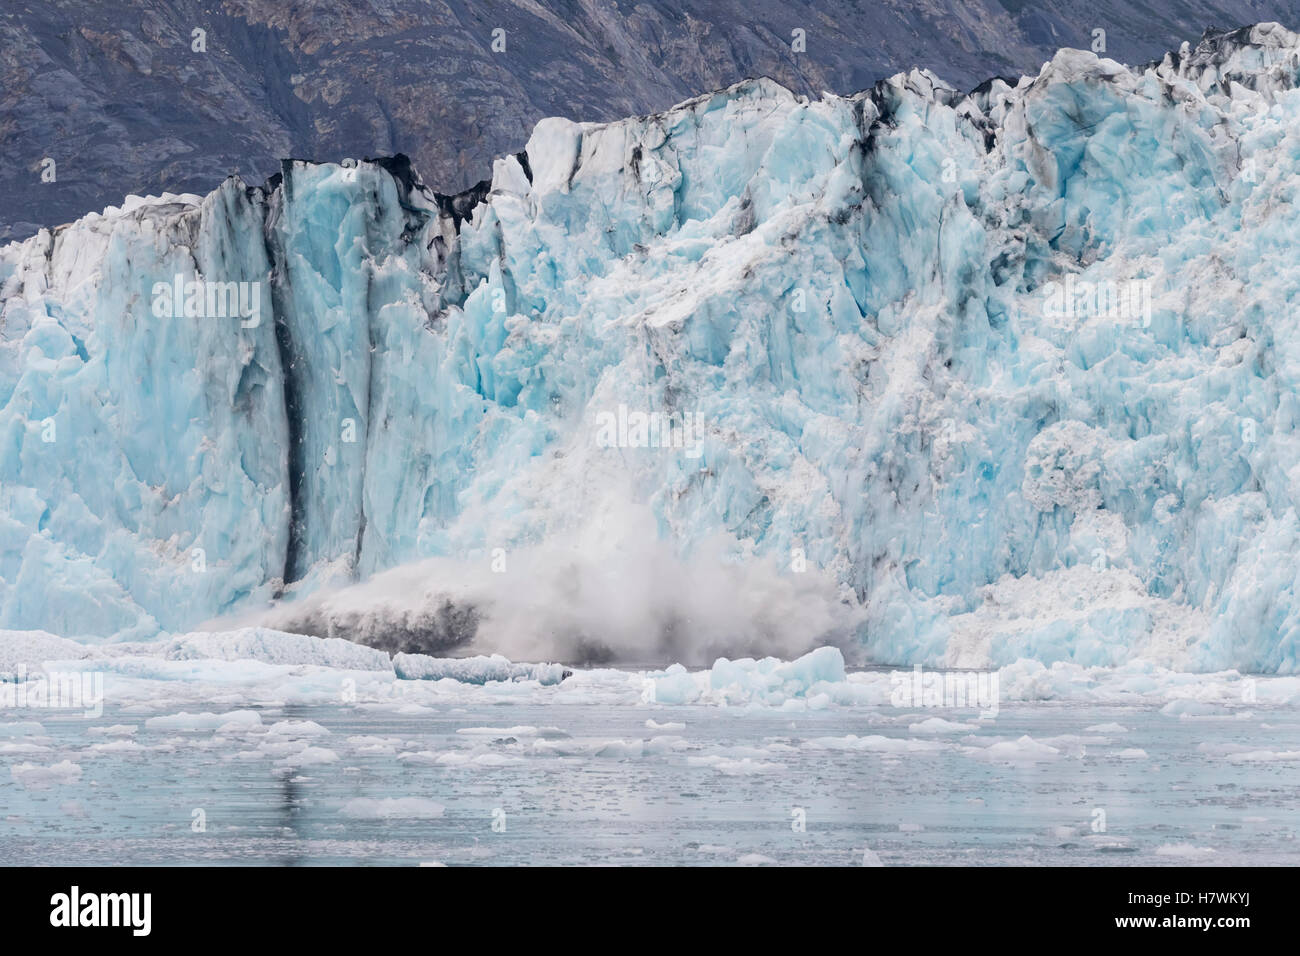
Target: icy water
x,y
538,780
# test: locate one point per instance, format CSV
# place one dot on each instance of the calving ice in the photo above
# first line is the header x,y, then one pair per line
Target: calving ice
x,y
202,298
74,909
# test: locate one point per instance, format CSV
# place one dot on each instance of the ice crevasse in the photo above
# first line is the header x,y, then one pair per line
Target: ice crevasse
x,y
971,377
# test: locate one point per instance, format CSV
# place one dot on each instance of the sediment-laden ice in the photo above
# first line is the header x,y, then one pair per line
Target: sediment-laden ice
x,y
942,377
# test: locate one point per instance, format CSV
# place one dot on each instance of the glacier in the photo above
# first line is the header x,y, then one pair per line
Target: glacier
x,y
913,445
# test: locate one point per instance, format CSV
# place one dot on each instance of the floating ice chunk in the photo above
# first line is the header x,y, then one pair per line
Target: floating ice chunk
x,y
808,682
665,744
187,722
613,749
676,686
745,766
521,731
457,758
422,757
37,777
875,743
119,746
297,728
1183,850
714,849
937,725
22,747
114,730
1185,707
791,678
276,647
309,757
29,650
1264,756
1025,750
652,724
475,670
237,726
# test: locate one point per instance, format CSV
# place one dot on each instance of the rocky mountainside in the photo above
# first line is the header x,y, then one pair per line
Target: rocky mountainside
x,y
127,99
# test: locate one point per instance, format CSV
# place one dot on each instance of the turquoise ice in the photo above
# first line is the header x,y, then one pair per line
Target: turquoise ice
x,y
855,295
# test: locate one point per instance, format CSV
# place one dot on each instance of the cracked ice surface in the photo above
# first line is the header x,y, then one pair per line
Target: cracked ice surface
x,y
848,291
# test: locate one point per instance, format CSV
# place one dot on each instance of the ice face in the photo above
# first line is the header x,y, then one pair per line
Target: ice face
x,y
999,375
141,453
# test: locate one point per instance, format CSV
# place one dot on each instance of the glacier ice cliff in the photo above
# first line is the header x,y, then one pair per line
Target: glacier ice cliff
x,y
979,377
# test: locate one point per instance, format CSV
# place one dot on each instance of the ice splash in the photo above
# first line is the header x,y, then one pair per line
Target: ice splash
x,y
610,591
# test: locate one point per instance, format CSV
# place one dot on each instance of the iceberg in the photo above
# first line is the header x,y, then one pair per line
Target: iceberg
x,y
475,670
275,647
937,377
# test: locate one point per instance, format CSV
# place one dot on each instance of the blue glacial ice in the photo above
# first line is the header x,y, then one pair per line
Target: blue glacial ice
x,y
980,377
